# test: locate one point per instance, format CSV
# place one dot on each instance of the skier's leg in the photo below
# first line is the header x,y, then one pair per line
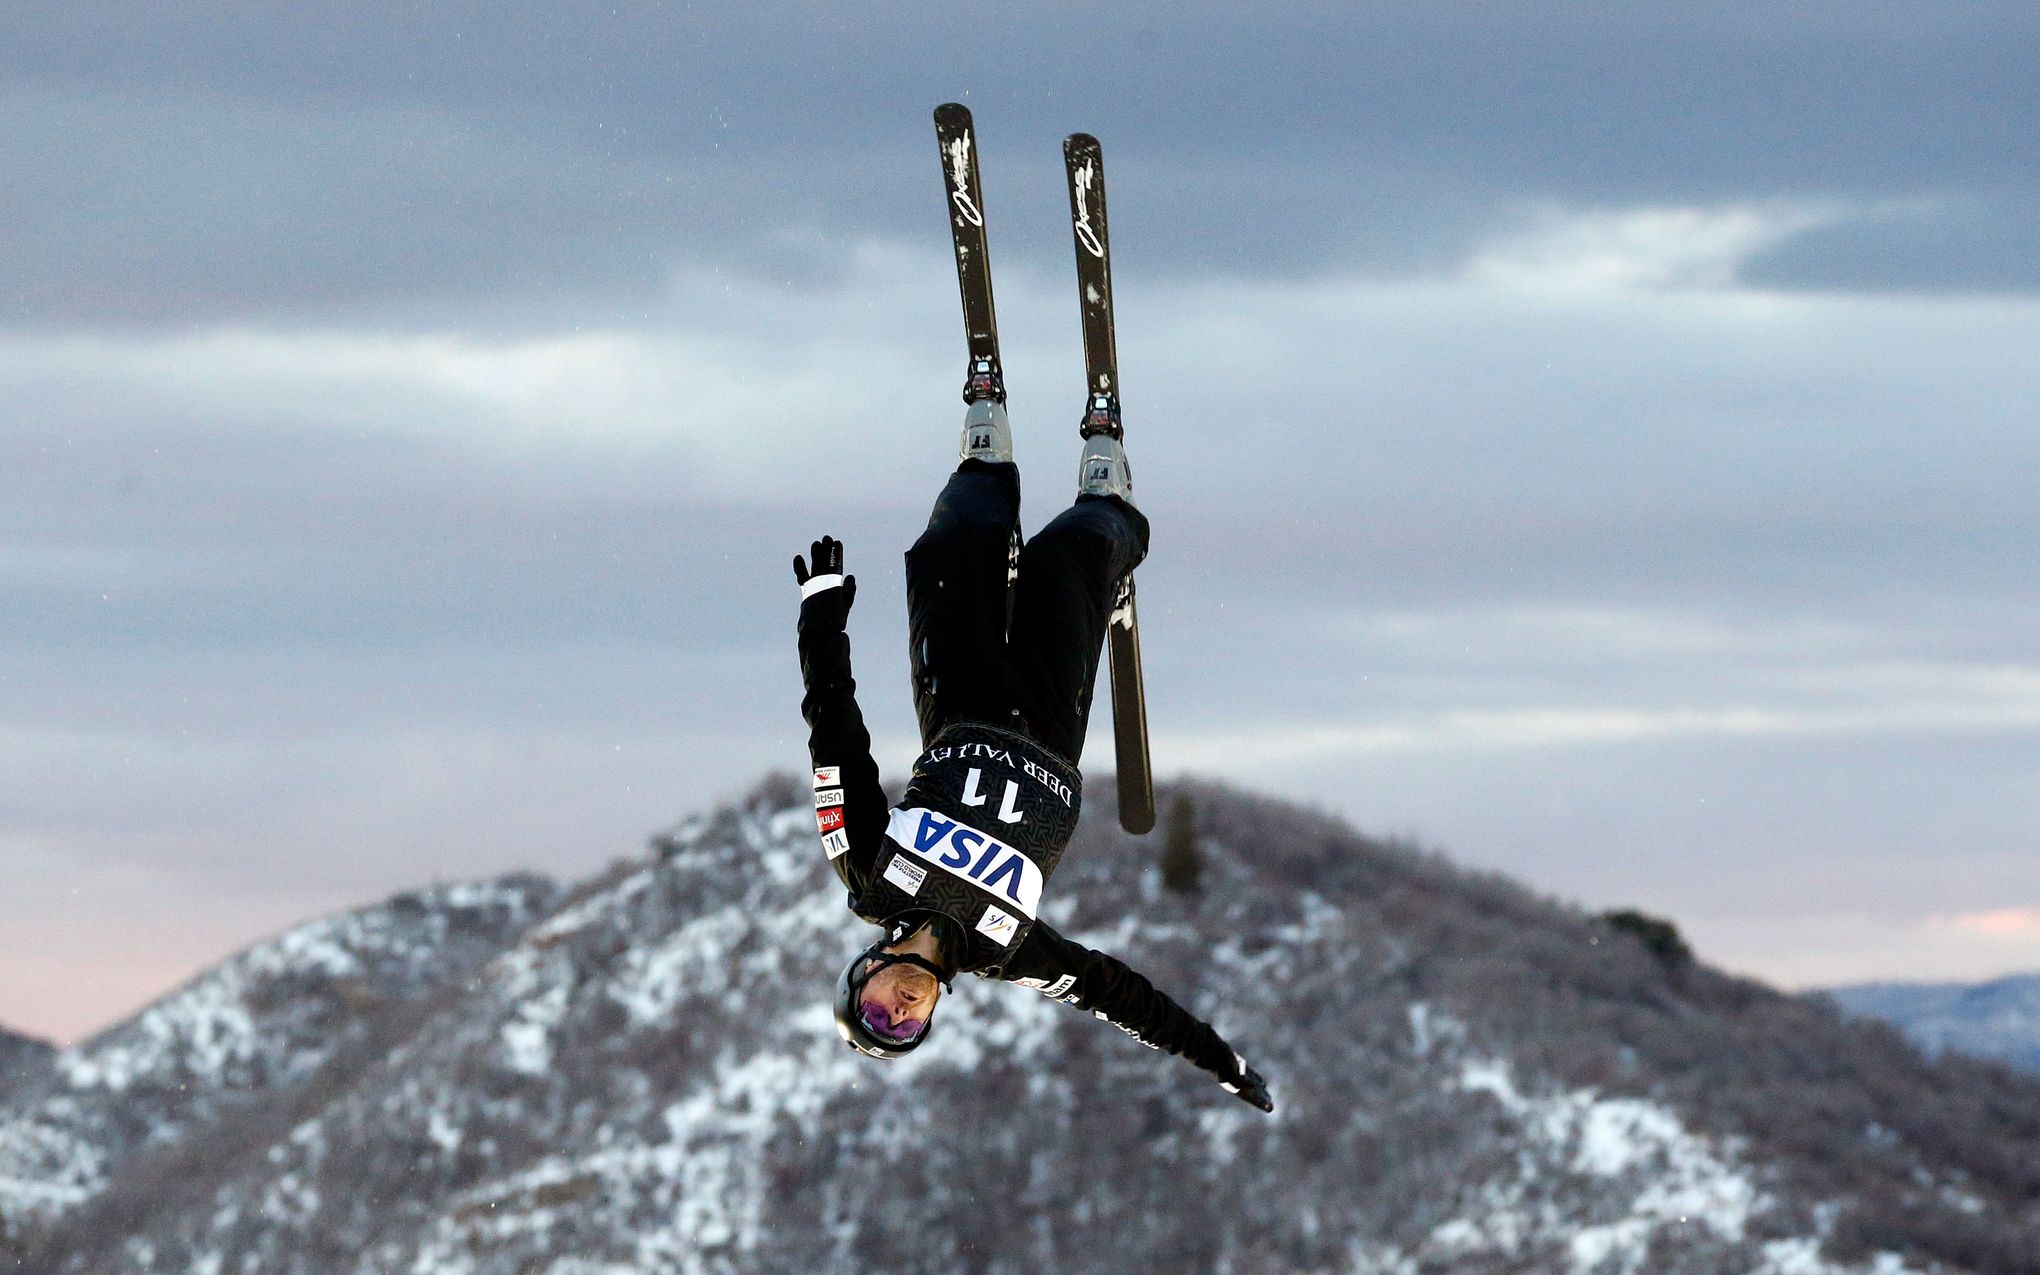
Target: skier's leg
x,y
957,585
1069,579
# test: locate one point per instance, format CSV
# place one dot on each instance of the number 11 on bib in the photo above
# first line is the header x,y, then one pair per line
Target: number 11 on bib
x,y
1085,163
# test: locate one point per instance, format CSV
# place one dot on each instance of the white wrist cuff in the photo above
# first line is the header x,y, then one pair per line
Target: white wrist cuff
x,y
816,584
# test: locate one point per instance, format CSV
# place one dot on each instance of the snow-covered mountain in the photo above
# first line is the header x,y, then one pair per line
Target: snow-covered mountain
x,y
242,1044
641,1076
1998,1019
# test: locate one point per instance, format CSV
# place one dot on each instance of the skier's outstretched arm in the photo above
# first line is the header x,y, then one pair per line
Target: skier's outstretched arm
x,y
1123,996
850,805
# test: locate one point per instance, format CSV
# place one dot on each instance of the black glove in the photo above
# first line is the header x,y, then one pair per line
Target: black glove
x,y
825,592
1248,1086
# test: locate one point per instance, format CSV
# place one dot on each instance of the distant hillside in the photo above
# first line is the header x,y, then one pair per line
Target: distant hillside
x,y
180,1088
641,1075
1998,1019
23,1060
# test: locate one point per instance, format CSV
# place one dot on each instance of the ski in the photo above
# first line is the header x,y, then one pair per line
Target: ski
x,y
953,129
1085,163
984,381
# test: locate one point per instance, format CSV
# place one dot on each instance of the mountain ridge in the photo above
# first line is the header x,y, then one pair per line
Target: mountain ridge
x,y
1996,1018
641,1074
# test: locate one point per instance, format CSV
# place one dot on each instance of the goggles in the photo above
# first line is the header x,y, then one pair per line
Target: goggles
x,y
878,1020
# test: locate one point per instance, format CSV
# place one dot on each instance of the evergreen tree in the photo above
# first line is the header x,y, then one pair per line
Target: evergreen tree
x,y
1182,862
1659,937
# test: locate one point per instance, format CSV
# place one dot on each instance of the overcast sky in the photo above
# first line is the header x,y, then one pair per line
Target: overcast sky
x,y
1597,441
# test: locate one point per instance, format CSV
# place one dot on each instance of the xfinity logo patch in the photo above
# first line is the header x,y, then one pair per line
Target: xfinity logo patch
x,y
966,852
998,926
906,874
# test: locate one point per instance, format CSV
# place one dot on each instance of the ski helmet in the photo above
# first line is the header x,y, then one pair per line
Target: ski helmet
x,y
868,1029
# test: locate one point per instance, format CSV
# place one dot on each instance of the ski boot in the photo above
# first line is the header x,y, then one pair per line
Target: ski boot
x,y
986,435
1102,469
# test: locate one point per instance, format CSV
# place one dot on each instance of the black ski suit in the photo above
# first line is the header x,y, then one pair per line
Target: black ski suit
x,y
995,793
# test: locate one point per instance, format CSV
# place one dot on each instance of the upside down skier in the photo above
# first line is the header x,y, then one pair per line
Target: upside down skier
x,y
953,875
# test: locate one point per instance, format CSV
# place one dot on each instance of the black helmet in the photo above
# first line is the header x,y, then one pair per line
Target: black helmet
x,y
861,1033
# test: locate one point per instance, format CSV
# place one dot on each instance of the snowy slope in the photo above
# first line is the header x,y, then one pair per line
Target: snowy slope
x,y
1469,1079
241,1037
1998,1019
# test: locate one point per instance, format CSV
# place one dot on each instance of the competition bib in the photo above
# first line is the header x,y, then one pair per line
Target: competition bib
x,y
970,854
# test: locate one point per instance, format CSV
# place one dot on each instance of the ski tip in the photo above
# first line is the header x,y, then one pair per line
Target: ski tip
x,y
1076,143
952,113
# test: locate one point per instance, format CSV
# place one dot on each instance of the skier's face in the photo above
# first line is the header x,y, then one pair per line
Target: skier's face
x,y
898,1000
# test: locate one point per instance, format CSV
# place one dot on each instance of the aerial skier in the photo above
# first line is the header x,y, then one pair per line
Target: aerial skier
x,y
1005,641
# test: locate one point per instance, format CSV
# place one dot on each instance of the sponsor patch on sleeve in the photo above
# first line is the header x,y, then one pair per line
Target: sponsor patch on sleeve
x,y
828,797
997,925
906,874
1061,986
828,776
1032,984
829,820
837,843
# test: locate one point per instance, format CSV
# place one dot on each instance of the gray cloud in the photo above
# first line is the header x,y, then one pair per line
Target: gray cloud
x,y
1977,243
199,161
